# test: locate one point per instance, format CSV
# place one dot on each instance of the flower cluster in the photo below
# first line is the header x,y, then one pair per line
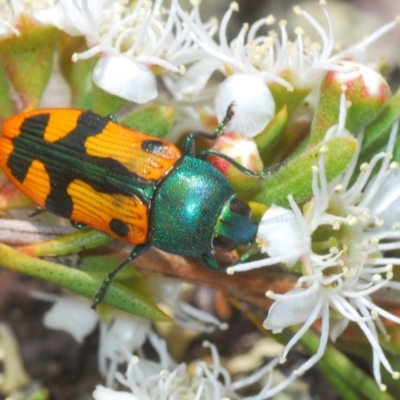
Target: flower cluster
x,y
311,144
340,239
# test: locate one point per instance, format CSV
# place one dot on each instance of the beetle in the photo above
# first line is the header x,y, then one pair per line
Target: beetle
x,y
130,185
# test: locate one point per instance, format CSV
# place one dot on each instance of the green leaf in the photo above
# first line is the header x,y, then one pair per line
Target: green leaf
x,y
350,381
271,142
289,98
295,177
105,103
6,104
71,243
81,283
377,133
100,266
27,60
153,120
272,131
78,74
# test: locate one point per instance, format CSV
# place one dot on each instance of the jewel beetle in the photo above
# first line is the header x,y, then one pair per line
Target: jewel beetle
x,y
130,185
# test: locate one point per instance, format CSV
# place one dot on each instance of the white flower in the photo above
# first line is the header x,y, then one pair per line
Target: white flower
x,y
308,60
69,314
340,239
123,334
115,73
72,314
254,104
272,55
91,19
272,58
166,380
229,58
131,42
193,318
168,292
122,341
275,224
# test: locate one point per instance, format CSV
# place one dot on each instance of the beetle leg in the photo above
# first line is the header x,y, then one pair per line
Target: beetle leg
x,y
205,153
136,252
209,261
189,146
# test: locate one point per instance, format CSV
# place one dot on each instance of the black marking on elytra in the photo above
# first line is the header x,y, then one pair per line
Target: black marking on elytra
x,y
155,147
119,227
21,158
66,160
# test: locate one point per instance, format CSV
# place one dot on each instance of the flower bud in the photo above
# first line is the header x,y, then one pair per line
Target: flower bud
x,y
366,93
245,152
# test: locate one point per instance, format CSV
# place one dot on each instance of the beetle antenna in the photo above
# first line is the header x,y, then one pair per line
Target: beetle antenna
x,y
228,116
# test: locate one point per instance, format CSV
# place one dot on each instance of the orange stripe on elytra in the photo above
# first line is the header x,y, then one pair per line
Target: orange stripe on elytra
x,y
37,183
6,148
60,124
125,145
98,209
12,127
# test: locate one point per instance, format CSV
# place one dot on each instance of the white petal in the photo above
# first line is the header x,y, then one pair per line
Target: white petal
x,y
103,393
50,16
291,310
385,204
165,289
83,18
195,78
280,235
131,331
72,315
254,104
338,328
125,78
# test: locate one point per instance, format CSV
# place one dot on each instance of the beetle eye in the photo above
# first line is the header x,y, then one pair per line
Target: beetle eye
x,y
222,243
240,207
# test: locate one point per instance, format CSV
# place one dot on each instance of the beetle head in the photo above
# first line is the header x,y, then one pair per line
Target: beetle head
x,y
234,226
